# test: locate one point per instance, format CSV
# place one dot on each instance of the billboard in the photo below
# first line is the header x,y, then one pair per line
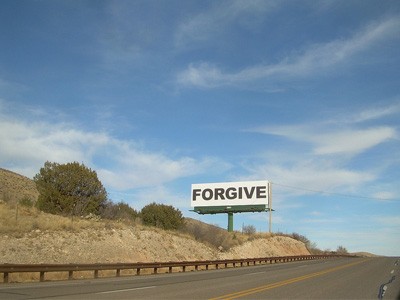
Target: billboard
x,y
230,194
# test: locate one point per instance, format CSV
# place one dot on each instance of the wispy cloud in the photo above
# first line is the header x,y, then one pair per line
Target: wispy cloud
x,y
159,193
351,141
389,221
121,164
308,177
215,20
132,168
334,141
311,60
341,135
328,149
376,113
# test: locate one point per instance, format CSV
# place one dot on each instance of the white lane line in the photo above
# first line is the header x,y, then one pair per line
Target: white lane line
x,y
256,273
126,290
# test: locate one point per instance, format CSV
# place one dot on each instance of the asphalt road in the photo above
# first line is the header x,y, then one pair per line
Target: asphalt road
x,y
339,278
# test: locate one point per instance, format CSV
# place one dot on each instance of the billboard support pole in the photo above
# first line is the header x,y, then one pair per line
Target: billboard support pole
x,y
270,205
230,221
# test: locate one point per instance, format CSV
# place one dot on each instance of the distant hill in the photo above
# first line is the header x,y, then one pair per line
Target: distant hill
x,y
15,187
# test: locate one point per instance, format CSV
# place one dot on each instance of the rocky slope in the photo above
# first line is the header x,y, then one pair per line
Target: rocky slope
x,y
15,187
130,245
30,236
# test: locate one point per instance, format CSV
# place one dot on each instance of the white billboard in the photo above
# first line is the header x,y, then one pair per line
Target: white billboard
x,y
230,193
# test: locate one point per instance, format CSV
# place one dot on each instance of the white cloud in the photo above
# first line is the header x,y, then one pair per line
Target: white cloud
x,y
132,168
311,60
336,140
312,176
159,194
376,113
33,143
323,153
214,21
385,195
387,221
120,164
351,141
340,135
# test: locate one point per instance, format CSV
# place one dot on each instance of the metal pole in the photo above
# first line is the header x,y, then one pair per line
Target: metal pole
x,y
270,205
230,221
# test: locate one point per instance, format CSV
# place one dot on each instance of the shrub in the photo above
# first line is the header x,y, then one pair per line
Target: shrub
x,y
212,235
162,216
27,202
341,250
69,189
249,229
119,211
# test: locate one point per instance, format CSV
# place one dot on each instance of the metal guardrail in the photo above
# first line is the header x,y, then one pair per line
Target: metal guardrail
x,y
7,269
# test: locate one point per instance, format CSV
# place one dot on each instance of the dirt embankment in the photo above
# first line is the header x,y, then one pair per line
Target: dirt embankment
x,y
130,245
30,236
15,187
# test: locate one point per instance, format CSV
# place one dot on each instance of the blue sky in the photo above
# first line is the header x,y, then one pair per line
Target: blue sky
x,y
157,95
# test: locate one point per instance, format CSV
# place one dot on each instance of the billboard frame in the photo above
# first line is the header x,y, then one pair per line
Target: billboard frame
x,y
203,210
256,206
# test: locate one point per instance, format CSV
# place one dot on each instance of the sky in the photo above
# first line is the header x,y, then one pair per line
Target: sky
x,y
158,95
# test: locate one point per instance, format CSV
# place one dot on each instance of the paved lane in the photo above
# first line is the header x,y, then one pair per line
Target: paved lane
x,y
350,278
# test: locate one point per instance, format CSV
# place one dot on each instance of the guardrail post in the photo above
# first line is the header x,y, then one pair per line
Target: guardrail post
x,y
183,268
5,277
41,276
207,267
70,275
138,271
155,270
196,267
96,273
217,266
118,273
170,269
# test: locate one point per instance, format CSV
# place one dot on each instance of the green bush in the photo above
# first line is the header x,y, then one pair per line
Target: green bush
x,y
27,202
69,189
162,216
119,211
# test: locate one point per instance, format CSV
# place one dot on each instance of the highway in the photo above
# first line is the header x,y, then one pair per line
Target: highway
x,y
336,278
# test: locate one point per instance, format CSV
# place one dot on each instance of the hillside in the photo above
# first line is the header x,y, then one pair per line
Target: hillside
x,y
31,236
37,237
15,187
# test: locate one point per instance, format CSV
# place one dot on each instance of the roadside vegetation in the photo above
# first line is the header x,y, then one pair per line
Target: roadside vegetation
x,y
72,198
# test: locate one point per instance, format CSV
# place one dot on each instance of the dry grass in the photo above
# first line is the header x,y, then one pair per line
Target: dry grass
x,y
16,220
217,237
15,187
